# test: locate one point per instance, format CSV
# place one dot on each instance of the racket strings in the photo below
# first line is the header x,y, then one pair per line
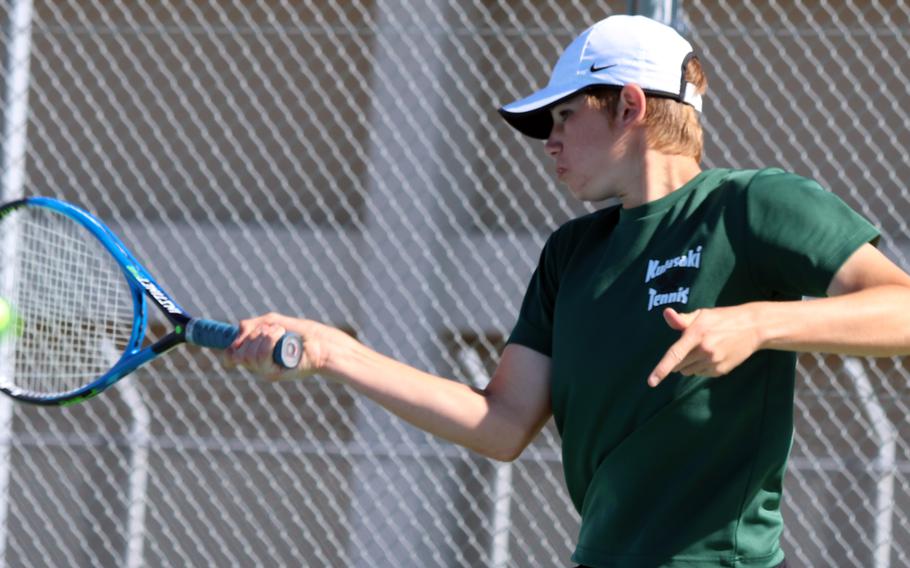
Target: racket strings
x,y
73,305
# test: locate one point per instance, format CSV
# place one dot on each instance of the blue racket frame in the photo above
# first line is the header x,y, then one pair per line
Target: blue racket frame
x,y
198,331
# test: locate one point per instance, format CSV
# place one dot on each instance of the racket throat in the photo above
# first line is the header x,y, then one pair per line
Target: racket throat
x,y
169,341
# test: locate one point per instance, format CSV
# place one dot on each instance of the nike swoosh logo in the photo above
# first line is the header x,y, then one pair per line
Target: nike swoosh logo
x,y
595,69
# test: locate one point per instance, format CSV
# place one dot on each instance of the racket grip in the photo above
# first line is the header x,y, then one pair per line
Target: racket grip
x,y
210,333
220,335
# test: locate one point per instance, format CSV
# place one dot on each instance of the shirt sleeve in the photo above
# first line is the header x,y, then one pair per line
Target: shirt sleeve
x,y
798,235
534,328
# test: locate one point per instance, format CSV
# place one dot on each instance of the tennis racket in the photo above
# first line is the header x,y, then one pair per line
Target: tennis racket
x,y
77,307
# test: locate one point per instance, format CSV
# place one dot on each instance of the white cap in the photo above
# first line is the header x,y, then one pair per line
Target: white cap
x,y
615,51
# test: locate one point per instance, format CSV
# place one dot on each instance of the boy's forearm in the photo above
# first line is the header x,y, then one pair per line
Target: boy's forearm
x,y
447,409
871,322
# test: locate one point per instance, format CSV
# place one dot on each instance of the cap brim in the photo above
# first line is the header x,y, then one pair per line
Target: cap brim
x,y
531,115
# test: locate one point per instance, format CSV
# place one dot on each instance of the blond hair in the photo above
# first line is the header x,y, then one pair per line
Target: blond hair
x,y
671,126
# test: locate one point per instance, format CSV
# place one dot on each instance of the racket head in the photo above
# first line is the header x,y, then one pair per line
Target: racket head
x,y
81,317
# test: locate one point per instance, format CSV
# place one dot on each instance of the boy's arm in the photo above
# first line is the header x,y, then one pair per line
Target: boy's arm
x,y
498,421
867,313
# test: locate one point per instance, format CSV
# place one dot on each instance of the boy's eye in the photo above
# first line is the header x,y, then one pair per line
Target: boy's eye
x,y
564,114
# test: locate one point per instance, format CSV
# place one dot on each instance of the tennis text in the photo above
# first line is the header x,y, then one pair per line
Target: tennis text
x,y
680,296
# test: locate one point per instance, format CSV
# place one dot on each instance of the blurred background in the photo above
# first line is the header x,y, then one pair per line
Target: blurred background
x,y
344,161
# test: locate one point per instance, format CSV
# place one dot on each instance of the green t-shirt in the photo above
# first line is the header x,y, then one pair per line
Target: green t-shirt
x,y
689,473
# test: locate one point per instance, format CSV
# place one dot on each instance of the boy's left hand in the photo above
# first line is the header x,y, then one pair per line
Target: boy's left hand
x,y
714,342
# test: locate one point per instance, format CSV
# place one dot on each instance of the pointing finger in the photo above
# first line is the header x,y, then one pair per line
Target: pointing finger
x,y
671,360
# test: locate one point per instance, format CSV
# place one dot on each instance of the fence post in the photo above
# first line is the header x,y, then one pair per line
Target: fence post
x,y
15,104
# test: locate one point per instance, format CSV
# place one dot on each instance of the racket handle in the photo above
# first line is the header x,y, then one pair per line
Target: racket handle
x,y
220,335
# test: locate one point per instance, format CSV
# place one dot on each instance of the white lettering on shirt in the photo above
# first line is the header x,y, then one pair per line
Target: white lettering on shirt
x,y
655,299
691,259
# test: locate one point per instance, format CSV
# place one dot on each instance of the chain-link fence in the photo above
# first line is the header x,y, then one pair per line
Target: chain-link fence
x,y
344,161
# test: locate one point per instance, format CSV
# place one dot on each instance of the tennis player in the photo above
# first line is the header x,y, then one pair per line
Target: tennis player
x,y
661,333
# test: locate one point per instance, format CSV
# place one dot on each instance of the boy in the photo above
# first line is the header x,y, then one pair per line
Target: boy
x,y
660,333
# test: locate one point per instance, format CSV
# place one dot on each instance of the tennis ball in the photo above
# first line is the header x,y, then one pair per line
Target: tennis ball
x,y
7,318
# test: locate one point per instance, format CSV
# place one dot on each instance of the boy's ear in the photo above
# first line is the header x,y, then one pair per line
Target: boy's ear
x,y
632,105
